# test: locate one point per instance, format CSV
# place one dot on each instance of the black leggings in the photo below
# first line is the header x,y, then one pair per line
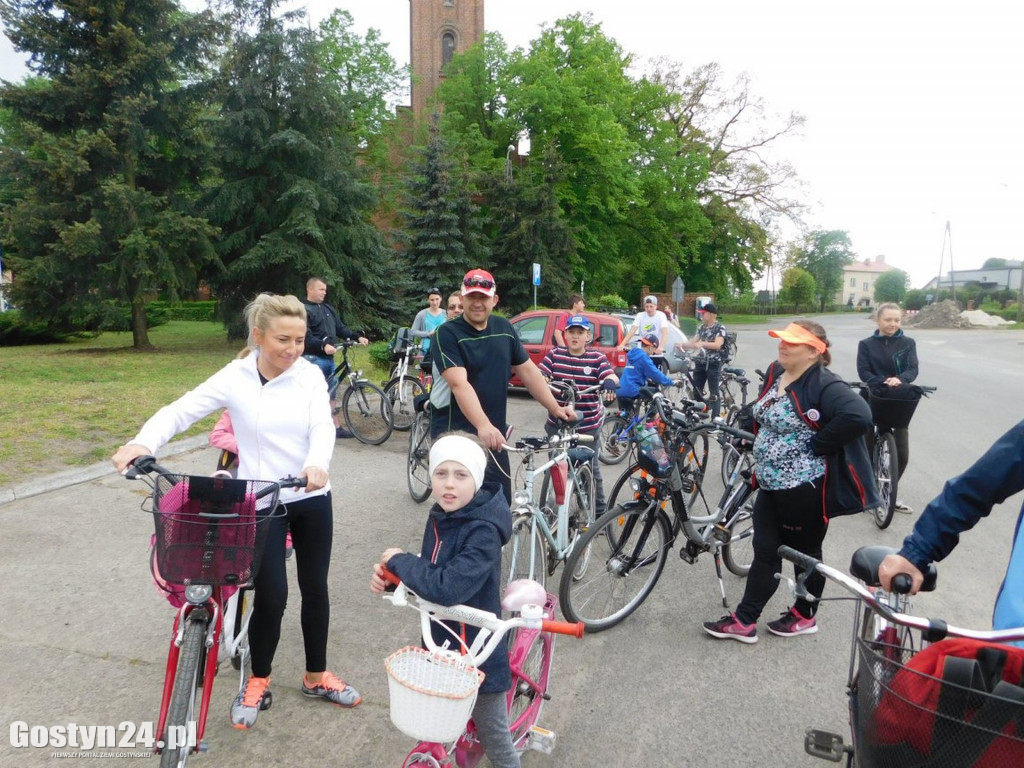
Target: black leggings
x,y
795,517
312,525
710,374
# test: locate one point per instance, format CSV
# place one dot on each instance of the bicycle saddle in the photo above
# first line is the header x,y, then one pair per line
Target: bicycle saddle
x,y
865,561
523,592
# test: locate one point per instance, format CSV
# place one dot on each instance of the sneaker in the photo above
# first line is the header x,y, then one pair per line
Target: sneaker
x,y
902,506
288,549
791,624
249,701
342,434
730,628
334,690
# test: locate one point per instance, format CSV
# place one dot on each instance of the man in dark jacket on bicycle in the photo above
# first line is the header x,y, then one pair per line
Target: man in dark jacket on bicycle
x,y
323,329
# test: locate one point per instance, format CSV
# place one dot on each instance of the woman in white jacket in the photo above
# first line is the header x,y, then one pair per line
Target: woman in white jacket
x,y
282,418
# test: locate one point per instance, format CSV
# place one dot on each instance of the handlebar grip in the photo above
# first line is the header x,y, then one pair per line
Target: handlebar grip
x,y
563,627
794,556
901,583
389,577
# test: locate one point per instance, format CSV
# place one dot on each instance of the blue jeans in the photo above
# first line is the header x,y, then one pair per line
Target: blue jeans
x,y
326,366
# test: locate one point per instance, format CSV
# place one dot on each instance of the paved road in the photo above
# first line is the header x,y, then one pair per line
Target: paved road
x,y
84,635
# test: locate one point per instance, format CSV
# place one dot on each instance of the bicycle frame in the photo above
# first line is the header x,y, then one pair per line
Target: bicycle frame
x,y
564,483
534,623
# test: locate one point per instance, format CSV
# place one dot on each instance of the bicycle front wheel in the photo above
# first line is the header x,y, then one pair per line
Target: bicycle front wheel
x,y
367,413
615,440
887,475
401,394
738,553
182,709
627,548
529,659
418,462
525,556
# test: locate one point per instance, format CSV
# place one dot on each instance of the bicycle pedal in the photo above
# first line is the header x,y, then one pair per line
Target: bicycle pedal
x,y
826,745
687,556
541,740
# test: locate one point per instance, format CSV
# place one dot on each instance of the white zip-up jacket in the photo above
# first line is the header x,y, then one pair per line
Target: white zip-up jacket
x,y
282,426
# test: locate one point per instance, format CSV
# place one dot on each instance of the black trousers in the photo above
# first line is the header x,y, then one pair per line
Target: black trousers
x,y
312,525
710,374
795,517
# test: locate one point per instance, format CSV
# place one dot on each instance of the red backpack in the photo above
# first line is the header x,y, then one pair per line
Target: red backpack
x,y
957,703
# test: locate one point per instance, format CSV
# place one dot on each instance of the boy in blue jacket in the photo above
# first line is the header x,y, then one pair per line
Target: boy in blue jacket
x,y
460,563
638,370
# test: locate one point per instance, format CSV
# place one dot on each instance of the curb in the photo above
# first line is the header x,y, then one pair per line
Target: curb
x,y
85,474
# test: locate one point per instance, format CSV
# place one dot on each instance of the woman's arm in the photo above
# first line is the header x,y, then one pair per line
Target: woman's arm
x,y
419,326
845,416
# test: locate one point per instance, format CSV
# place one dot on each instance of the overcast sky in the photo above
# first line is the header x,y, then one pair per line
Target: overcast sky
x,y
912,106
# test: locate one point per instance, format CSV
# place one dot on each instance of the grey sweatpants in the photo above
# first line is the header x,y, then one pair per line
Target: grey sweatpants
x,y
491,717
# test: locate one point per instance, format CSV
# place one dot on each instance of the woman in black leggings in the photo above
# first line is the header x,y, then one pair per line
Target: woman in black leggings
x,y
811,465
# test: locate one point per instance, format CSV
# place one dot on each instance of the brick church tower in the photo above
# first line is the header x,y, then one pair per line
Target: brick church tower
x,y
438,30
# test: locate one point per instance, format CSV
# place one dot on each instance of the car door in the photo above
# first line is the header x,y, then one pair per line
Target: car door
x,y
534,333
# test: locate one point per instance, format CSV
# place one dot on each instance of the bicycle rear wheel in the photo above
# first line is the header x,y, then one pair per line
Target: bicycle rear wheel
x,y
530,663
367,413
182,709
616,442
627,547
582,513
887,475
525,556
401,394
418,461
730,457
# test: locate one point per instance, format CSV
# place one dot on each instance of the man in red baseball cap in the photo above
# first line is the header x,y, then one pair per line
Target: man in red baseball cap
x,y
473,354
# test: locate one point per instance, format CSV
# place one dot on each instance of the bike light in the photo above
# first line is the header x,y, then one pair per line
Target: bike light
x,y
520,499
198,594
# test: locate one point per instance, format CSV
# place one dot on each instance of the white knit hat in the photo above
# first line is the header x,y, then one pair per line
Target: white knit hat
x,y
462,450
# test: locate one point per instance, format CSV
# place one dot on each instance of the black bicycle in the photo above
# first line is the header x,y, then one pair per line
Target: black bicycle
x,y
628,546
366,408
888,414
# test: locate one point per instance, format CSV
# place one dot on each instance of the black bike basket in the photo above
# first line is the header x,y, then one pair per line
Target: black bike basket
x,y
892,412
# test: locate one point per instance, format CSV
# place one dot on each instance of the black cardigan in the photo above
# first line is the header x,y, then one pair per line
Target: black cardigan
x,y
840,418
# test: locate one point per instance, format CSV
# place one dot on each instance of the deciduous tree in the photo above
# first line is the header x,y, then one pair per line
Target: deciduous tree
x,y
891,286
824,254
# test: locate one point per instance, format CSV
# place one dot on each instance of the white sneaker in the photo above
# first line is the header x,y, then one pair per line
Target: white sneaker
x,y
902,506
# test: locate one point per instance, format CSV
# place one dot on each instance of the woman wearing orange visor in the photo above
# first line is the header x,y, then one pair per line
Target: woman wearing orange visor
x,y
811,465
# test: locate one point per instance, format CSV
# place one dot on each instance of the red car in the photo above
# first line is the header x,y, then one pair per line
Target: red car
x,y
536,330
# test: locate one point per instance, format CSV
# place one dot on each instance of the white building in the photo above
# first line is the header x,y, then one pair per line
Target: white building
x,y
859,280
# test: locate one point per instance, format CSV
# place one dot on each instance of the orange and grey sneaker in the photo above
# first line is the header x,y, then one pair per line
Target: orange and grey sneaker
x,y
332,689
249,701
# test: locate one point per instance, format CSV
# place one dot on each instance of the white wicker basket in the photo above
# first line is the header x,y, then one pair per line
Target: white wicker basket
x,y
432,695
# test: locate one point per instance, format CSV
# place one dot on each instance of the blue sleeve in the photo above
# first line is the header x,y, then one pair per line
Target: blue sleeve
x,y
967,498
650,371
460,578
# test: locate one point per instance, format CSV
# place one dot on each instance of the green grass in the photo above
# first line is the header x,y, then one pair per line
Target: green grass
x,y
73,404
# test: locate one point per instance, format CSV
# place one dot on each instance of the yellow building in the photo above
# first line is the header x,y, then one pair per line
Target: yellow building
x,y
859,279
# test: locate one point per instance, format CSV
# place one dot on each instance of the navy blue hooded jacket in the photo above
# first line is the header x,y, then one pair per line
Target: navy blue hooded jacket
x,y
460,563
963,502
880,357
839,418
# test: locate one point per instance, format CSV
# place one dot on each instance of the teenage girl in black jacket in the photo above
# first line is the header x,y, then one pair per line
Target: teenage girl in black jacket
x,y
887,363
811,465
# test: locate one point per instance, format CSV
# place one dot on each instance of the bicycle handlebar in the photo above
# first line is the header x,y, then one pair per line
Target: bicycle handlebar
x,y
532,444
145,465
932,629
492,628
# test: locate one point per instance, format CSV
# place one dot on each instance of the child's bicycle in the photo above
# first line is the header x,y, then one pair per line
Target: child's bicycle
x,y
366,408
433,690
210,533
922,693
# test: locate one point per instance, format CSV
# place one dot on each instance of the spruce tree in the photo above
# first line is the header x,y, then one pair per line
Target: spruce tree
x,y
102,153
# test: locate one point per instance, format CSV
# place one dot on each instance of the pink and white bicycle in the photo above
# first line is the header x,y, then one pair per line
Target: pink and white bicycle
x,y
433,689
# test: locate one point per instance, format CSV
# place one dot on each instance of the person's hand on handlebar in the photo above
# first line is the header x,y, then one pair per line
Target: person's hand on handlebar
x,y
895,564
565,413
377,581
679,383
316,478
128,453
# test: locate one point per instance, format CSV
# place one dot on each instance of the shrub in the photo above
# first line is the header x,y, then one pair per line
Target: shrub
x,y
195,311
613,301
15,331
380,354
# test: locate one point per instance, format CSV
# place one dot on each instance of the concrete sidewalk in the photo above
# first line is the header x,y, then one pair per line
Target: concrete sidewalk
x,y
77,475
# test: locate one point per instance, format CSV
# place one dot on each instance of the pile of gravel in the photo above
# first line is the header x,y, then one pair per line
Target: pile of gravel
x,y
941,314
978,317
